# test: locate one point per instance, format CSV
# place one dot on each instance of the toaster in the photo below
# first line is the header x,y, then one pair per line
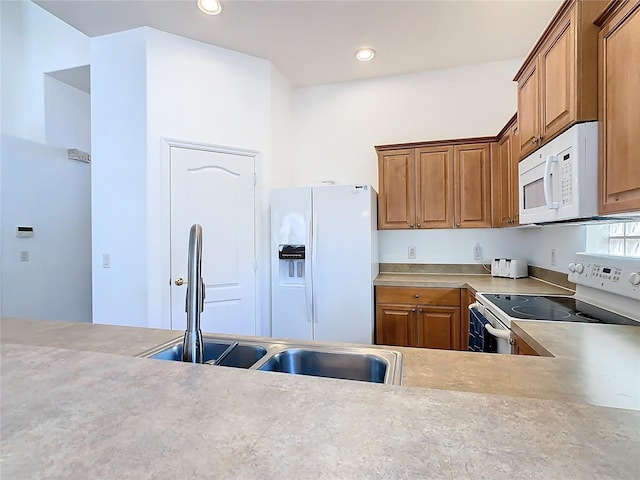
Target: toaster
x,y
510,268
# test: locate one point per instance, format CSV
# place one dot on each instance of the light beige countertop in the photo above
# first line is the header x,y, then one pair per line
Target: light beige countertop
x,y
475,283
84,414
586,363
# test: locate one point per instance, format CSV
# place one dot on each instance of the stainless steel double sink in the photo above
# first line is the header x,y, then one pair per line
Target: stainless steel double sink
x,y
364,364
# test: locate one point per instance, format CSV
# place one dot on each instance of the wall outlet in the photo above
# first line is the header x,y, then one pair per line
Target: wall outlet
x,y
477,252
411,253
24,256
106,260
554,260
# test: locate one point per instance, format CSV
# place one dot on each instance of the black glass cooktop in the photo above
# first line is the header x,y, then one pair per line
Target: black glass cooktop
x,y
564,309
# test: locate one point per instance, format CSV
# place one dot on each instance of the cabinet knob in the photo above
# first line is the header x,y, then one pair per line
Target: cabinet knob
x,y
457,225
413,309
420,310
534,140
419,225
417,295
412,226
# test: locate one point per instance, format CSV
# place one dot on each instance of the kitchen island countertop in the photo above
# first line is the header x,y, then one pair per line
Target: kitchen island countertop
x,y
111,416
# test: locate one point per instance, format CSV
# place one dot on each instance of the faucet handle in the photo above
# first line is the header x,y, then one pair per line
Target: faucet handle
x,y
202,295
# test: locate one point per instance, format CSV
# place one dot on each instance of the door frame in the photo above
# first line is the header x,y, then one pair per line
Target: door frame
x,y
165,168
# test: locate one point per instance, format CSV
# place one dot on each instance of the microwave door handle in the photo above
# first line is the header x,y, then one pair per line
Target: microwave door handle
x,y
548,197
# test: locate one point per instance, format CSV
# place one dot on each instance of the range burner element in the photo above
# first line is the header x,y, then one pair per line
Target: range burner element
x,y
542,313
554,308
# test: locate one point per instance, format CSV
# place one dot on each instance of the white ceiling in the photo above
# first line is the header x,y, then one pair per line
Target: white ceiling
x,y
313,42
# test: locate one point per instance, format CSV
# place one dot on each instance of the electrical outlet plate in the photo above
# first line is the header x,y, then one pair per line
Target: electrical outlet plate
x,y
477,252
554,260
411,253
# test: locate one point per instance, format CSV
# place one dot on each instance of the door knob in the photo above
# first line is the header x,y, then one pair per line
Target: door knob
x,y
180,281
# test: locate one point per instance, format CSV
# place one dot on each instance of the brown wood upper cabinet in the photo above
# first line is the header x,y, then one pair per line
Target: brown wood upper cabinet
x,y
557,84
504,173
619,107
440,184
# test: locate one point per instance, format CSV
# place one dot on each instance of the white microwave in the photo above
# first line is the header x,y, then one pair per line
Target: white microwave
x,y
559,181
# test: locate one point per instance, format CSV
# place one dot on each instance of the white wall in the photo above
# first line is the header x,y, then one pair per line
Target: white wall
x,y
43,189
119,177
149,85
533,244
451,246
33,42
41,118
201,93
282,130
338,125
566,240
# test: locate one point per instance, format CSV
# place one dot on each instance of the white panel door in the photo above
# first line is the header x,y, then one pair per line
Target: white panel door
x,y
216,190
342,258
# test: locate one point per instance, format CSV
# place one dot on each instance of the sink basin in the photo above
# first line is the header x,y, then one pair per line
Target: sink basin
x,y
242,356
365,364
332,364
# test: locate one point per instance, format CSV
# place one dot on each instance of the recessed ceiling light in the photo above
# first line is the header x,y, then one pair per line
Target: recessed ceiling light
x,y
365,54
210,7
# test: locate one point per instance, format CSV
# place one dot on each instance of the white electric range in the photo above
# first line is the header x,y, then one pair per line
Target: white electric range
x,y
607,291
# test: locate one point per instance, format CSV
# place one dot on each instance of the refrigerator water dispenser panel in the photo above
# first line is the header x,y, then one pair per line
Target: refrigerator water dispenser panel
x,y
291,263
291,252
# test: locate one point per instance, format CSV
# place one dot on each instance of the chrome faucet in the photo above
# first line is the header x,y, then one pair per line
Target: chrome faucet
x,y
192,344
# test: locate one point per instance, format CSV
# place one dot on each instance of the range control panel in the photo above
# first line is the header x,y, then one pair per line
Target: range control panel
x,y
617,275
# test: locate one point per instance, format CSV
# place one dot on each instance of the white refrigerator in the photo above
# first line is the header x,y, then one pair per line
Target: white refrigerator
x,y
324,257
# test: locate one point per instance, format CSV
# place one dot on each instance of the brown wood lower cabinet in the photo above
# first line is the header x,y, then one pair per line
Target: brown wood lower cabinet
x,y
466,298
430,318
520,347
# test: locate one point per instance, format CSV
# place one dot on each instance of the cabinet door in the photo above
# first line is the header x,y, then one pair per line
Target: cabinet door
x,y
558,79
501,181
528,111
466,299
397,185
434,193
619,168
396,325
515,178
472,169
520,347
439,327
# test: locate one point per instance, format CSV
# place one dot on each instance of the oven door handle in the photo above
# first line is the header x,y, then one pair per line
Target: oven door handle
x,y
504,334
498,333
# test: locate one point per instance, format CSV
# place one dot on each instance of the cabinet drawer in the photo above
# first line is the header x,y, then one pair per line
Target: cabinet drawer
x,y
419,295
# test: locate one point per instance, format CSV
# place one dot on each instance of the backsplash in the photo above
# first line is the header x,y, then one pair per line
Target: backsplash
x,y
533,244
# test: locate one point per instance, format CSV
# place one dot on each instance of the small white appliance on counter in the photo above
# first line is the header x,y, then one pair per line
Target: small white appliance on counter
x,y
607,291
324,257
509,268
558,181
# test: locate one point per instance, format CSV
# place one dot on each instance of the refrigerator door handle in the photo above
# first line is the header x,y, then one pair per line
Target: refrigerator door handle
x,y
308,274
314,242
